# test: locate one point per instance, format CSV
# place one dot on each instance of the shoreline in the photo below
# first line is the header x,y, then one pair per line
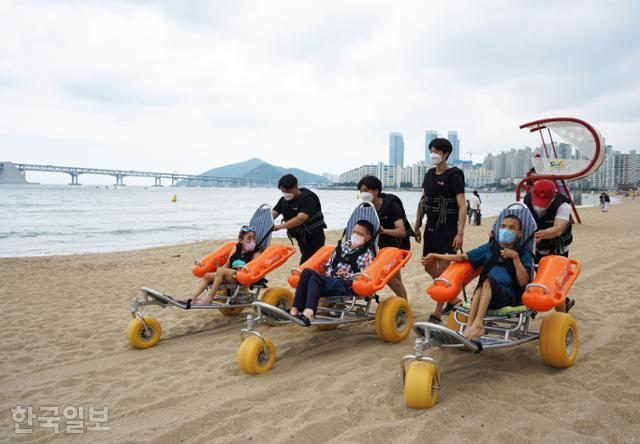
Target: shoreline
x,y
284,239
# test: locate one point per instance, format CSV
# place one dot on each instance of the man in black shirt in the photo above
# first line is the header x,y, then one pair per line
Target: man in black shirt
x,y
394,227
301,215
443,203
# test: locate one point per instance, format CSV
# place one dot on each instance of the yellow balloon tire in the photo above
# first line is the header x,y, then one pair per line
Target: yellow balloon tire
x,y
235,311
278,297
378,318
251,358
559,340
452,323
141,338
393,328
420,385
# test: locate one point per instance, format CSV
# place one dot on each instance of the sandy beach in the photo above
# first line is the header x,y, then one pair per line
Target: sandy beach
x,y
63,344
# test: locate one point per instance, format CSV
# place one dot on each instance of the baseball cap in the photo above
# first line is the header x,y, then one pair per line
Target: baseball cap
x,y
543,193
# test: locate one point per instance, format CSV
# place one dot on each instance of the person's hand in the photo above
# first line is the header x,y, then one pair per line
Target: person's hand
x,y
428,259
416,230
382,231
538,236
234,273
277,227
508,253
457,242
340,273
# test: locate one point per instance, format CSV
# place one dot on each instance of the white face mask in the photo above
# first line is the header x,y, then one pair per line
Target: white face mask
x,y
539,210
288,196
356,240
366,197
435,158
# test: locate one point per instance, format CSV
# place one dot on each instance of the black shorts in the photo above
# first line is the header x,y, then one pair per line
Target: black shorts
x,y
437,241
311,245
538,257
501,296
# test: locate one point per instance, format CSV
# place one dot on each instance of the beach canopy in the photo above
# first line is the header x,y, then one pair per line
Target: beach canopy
x,y
583,158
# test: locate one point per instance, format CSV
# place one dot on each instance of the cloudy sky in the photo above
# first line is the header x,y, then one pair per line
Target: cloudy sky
x,y
189,85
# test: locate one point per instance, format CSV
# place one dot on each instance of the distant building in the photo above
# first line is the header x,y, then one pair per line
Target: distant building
x,y
414,174
396,150
389,175
429,135
455,141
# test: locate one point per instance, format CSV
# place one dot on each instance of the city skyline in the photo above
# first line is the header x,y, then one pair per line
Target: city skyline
x,y
187,87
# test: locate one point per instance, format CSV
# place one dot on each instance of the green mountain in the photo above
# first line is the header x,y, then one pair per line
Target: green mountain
x,y
259,169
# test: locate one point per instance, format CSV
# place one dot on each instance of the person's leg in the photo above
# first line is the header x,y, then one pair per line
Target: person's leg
x,y
206,280
395,284
475,326
310,246
315,289
300,299
474,306
223,275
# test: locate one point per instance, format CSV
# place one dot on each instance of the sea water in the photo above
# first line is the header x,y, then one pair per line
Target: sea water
x,y
38,220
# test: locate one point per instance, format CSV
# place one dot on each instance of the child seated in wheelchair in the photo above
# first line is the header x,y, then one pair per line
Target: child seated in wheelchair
x,y
348,259
245,252
506,273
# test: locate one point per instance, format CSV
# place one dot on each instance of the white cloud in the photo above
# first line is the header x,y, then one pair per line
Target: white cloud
x,y
190,85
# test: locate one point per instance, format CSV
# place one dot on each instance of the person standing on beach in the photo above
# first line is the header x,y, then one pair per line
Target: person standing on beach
x,y
552,213
443,202
302,216
395,230
474,208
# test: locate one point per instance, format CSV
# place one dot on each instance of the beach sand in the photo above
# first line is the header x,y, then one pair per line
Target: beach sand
x,y
63,344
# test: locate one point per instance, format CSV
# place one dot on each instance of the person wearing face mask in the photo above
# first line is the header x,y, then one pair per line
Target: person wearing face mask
x,y
395,229
552,213
339,272
245,252
443,202
507,271
301,216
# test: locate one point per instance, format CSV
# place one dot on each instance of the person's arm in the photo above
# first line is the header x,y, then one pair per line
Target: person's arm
x,y
292,223
460,257
398,229
419,217
559,224
274,214
462,219
522,275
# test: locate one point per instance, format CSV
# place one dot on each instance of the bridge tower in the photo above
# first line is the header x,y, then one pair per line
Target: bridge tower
x,y
74,178
119,182
158,181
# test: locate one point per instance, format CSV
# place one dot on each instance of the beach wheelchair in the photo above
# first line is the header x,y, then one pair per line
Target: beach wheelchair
x,y
504,327
231,299
393,317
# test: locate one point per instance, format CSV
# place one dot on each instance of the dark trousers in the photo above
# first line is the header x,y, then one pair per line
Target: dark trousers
x,y
312,286
310,246
538,257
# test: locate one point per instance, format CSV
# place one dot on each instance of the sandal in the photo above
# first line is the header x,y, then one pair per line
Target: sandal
x,y
568,304
449,306
434,319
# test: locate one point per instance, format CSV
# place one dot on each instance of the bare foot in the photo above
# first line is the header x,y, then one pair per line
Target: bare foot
x,y
293,311
473,332
309,314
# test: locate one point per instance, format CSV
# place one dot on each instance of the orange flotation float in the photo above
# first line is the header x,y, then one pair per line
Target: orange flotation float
x,y
451,281
212,261
386,264
271,258
556,275
315,263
